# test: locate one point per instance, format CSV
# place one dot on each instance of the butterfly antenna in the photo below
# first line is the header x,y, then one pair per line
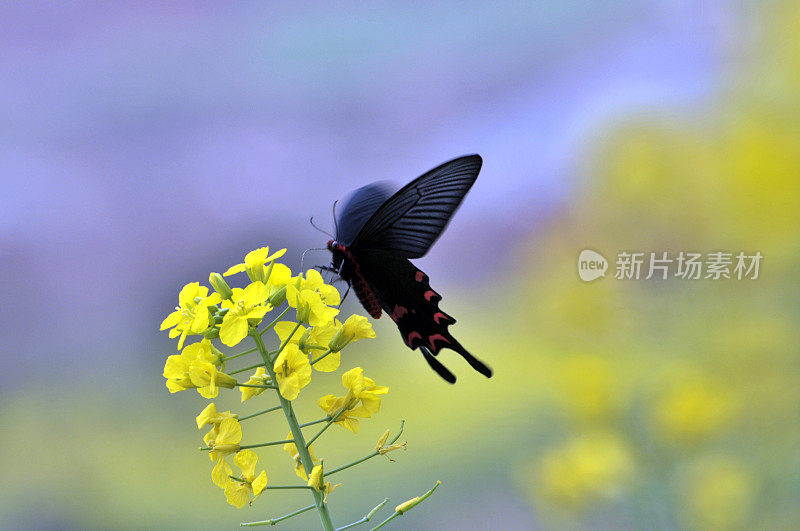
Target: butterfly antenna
x,y
303,257
335,222
319,229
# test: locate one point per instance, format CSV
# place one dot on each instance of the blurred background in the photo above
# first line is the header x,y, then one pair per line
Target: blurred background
x,y
144,145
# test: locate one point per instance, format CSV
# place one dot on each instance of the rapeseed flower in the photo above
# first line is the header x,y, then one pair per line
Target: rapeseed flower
x,y
191,316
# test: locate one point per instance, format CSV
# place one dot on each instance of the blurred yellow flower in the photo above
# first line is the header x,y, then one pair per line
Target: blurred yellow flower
x,y
238,492
247,307
191,316
293,371
258,378
719,494
690,411
291,449
591,389
595,466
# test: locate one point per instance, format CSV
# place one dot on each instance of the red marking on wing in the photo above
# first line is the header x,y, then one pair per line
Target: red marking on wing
x,y
430,294
420,276
398,312
411,337
365,293
439,337
440,315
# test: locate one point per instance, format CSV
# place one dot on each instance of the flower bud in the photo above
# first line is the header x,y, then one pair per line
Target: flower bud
x,y
211,333
225,380
256,273
220,286
340,340
403,507
278,297
382,440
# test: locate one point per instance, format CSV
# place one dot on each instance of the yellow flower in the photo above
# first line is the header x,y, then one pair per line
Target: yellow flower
x,y
209,416
316,481
312,341
311,309
258,378
238,492
314,282
354,328
593,466
177,368
192,315
208,379
224,441
227,440
254,263
362,400
291,449
246,309
293,371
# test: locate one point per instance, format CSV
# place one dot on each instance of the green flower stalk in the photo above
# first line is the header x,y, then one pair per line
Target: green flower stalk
x,y
313,342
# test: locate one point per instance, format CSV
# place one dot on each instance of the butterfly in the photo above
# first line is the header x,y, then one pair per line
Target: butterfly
x,y
376,234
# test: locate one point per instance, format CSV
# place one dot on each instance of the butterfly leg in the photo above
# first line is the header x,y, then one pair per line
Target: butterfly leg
x,y
345,296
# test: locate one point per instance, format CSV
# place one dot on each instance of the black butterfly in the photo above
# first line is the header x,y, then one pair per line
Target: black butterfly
x,y
376,234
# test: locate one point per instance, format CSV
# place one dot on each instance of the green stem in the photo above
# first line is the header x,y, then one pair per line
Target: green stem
x,y
258,413
275,321
257,365
297,432
239,355
273,521
260,445
326,426
366,517
246,446
370,456
321,356
314,422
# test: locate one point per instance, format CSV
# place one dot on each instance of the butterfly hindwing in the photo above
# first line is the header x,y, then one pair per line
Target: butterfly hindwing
x,y
405,294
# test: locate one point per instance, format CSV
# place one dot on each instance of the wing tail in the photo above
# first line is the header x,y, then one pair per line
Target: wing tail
x,y
437,366
476,364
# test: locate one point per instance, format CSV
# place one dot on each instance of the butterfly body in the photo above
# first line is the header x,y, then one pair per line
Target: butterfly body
x,y
378,232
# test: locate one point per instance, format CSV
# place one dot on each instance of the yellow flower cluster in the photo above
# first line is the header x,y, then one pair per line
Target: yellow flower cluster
x,y
314,340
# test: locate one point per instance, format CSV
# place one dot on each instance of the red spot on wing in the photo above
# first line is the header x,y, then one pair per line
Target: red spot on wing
x,y
420,276
440,315
411,337
438,337
398,312
430,294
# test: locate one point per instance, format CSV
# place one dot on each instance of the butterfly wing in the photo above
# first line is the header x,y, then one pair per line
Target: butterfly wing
x,y
404,292
361,205
411,220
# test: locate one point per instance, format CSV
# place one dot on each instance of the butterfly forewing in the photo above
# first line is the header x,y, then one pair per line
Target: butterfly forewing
x,y
411,220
